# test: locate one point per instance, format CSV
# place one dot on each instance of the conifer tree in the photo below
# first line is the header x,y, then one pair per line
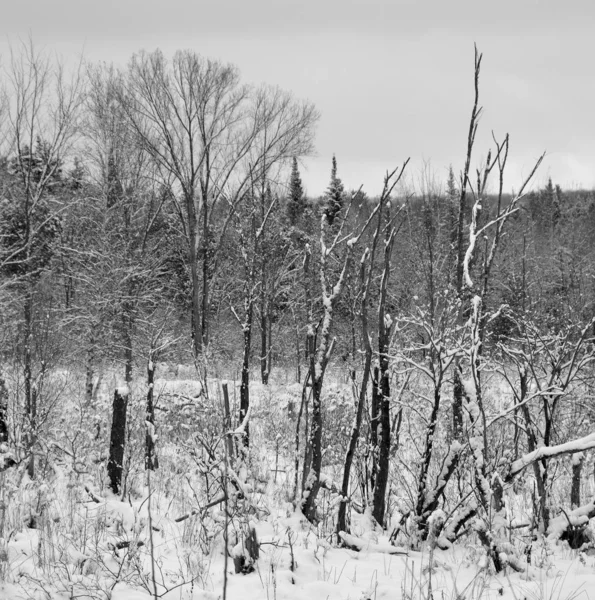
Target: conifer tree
x,y
335,194
296,204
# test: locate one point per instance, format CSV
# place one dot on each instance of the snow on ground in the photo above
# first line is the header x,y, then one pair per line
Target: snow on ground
x,y
89,544
321,571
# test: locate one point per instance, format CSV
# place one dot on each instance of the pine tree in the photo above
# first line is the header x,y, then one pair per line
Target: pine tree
x,y
296,204
335,194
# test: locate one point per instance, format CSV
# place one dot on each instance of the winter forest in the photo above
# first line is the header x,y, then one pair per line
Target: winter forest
x,y
215,386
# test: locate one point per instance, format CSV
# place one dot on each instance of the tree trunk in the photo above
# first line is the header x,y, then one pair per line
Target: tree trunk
x,y
227,423
383,448
206,264
117,439
425,465
245,377
540,477
342,518
374,420
383,385
89,371
30,389
193,243
457,402
575,490
312,485
264,350
3,411
151,460
298,356
303,407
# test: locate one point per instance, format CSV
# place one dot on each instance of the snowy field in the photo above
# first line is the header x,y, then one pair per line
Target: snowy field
x,y
167,538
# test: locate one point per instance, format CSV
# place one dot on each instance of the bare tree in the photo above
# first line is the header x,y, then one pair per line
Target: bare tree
x,y
120,271
209,134
321,344
549,366
384,222
43,102
252,224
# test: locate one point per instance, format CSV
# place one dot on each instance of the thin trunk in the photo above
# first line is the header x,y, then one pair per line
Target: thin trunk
x,y
298,355
30,389
426,459
206,264
575,490
89,371
457,402
308,449
227,423
540,477
270,344
303,407
265,340
245,377
342,524
383,449
3,411
193,243
151,460
312,485
383,386
342,518
264,351
374,420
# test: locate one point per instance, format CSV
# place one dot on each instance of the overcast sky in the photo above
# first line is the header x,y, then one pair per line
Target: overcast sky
x,y
392,79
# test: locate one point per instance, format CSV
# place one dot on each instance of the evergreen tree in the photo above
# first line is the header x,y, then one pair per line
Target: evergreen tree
x,y
335,194
296,204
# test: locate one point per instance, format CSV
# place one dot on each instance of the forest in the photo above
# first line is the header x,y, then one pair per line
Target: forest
x,y
213,385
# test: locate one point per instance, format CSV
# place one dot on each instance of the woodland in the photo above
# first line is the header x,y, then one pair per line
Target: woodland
x,y
213,385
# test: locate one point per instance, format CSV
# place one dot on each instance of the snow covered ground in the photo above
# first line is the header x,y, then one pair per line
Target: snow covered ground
x,y
167,538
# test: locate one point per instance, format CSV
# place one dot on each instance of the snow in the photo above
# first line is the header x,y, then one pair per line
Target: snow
x,y
579,445
123,390
81,552
578,516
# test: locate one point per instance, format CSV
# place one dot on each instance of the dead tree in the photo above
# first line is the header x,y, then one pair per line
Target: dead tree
x,y
549,365
441,350
320,343
365,283
472,387
251,231
115,464
457,405
3,411
381,383
151,460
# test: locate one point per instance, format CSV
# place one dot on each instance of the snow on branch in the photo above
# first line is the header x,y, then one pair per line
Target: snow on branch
x,y
576,518
584,443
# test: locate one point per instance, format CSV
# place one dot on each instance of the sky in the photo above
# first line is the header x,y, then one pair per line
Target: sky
x,y
391,79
